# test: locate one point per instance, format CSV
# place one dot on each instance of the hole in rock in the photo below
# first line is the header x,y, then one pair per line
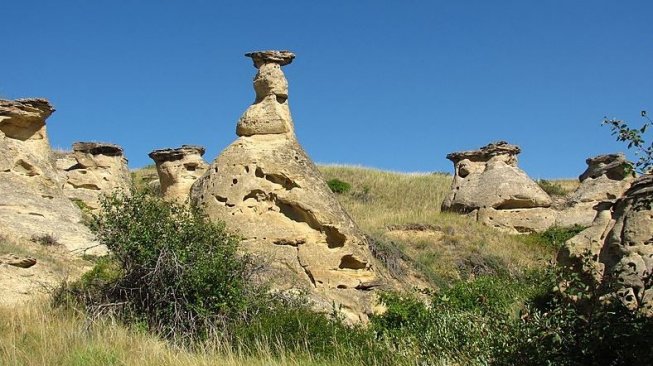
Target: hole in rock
x,y
256,194
191,167
25,168
334,238
350,262
282,99
235,181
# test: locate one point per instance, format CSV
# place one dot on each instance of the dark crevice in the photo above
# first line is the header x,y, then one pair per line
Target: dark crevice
x,y
280,179
90,186
256,194
350,262
289,242
334,238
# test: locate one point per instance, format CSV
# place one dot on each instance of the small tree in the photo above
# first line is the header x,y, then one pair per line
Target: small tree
x,y
636,141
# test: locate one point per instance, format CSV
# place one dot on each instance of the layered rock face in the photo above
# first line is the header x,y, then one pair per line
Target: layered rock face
x,y
32,202
178,169
605,179
489,185
265,186
94,169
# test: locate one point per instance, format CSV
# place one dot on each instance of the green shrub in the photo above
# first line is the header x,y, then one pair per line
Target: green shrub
x,y
553,237
170,267
554,189
338,186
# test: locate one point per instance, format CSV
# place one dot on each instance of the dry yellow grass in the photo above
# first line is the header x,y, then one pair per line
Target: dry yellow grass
x,y
35,334
459,248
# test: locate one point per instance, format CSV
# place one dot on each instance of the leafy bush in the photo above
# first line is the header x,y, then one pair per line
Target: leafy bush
x,y
552,188
635,139
170,267
338,186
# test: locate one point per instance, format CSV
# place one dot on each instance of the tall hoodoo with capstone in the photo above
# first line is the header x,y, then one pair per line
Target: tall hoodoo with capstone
x,y
489,185
32,202
178,169
266,187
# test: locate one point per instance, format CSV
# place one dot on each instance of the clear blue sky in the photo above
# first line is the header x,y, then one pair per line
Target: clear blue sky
x,y
389,84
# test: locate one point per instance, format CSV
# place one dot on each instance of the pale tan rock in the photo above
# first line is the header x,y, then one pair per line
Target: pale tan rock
x,y
178,169
605,179
266,187
517,221
628,250
581,253
270,113
17,261
93,170
32,202
489,178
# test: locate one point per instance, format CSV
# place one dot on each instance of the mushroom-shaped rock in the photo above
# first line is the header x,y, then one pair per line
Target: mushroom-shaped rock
x,y
32,202
607,178
488,182
270,113
489,177
178,169
265,186
94,169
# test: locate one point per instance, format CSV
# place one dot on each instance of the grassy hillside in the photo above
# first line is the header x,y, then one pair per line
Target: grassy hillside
x,y
404,209
400,211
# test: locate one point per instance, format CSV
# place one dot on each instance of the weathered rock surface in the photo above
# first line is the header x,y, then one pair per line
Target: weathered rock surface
x,y
489,180
628,250
178,169
518,220
489,177
265,186
32,202
616,252
94,169
605,179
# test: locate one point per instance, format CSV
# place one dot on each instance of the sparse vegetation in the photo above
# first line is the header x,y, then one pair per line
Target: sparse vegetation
x,y
47,240
552,188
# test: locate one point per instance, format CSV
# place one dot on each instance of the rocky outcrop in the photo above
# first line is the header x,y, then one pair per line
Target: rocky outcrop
x,y
265,186
489,185
178,169
616,252
32,202
606,178
94,169
628,250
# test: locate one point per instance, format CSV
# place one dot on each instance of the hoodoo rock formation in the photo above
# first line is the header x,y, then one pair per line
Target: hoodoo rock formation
x,y
265,186
32,202
489,185
606,179
178,169
616,252
94,169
